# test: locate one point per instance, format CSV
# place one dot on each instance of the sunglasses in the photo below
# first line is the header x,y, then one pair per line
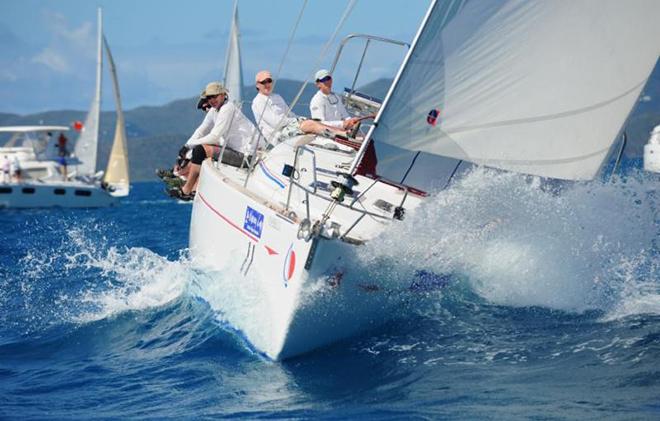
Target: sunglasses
x,y
325,79
266,81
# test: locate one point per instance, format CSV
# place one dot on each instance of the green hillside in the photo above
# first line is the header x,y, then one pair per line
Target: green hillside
x,y
155,133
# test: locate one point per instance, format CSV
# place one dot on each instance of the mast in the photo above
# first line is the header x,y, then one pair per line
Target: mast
x,y
233,77
87,143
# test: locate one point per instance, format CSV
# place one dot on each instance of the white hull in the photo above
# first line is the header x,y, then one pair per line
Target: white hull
x,y
53,194
309,293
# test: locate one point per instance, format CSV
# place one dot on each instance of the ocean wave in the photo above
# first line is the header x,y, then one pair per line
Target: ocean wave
x,y
84,278
590,246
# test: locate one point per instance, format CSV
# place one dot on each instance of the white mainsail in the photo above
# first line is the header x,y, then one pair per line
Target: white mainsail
x,y
537,87
233,70
116,173
86,145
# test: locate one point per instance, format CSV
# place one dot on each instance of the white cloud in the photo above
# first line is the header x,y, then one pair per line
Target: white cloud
x,y
68,46
7,76
79,37
53,60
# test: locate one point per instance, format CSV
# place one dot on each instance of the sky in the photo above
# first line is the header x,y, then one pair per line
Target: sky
x,y
169,49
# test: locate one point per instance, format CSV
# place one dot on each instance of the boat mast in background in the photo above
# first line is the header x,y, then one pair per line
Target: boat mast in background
x,y
87,144
233,79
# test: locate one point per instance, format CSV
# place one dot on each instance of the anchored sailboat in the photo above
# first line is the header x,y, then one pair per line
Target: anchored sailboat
x,y
534,87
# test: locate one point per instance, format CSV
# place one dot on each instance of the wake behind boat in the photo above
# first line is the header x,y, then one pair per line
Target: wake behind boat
x,y
484,83
51,176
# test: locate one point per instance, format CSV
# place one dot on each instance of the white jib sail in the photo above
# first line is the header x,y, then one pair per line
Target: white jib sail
x,y
233,69
87,143
116,173
537,87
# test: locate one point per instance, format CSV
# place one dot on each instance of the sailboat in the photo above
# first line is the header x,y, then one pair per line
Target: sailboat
x,y
44,181
538,88
115,179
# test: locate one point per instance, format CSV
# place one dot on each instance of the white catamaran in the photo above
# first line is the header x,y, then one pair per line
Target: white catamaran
x,y
536,87
44,181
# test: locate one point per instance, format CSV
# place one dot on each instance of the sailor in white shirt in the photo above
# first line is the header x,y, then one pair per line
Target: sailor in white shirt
x,y
223,125
326,106
275,121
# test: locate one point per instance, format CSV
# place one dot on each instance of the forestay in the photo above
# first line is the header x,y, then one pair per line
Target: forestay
x,y
537,87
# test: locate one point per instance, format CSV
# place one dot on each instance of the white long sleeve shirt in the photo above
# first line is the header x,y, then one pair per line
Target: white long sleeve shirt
x,y
269,112
228,124
329,109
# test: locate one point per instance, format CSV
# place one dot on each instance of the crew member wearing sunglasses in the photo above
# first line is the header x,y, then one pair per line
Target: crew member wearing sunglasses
x,y
326,105
203,103
224,125
275,120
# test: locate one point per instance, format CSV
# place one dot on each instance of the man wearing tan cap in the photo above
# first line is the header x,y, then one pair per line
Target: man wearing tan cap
x,y
224,125
275,120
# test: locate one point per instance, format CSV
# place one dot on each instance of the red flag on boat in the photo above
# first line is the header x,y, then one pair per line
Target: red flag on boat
x,y
77,125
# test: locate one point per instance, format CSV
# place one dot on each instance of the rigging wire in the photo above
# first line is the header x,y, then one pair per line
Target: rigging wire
x,y
257,132
324,51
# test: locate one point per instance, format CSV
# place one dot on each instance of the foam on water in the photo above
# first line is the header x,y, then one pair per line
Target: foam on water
x,y
84,278
590,246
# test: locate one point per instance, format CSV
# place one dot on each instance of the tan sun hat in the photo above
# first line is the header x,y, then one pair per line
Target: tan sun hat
x,y
215,88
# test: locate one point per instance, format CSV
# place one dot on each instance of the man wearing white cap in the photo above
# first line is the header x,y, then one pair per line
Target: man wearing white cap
x,y
224,125
275,121
326,106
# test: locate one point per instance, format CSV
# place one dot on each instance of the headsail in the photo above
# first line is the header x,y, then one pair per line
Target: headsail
x,y
116,173
233,70
536,87
87,143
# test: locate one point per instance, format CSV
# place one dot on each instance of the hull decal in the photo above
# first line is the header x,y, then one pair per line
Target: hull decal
x,y
250,256
249,265
270,176
270,251
224,218
289,265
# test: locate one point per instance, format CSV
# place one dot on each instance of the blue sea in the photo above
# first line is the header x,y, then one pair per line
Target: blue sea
x,y
551,311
